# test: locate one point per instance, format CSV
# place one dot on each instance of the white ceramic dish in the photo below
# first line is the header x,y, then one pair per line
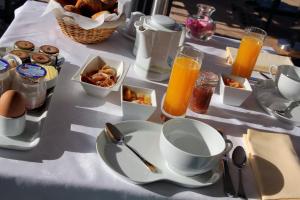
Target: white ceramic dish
x,y
93,63
234,96
270,99
287,80
191,147
144,137
12,126
29,138
133,110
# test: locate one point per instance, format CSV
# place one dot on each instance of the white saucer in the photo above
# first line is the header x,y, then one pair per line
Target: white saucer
x,y
270,100
144,137
27,140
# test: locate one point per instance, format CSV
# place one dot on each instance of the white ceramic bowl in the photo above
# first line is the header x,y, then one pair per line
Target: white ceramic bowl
x,y
234,96
133,110
92,64
12,126
191,147
287,80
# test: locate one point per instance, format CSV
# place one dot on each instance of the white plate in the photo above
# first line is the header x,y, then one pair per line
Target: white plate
x,y
270,100
144,137
29,138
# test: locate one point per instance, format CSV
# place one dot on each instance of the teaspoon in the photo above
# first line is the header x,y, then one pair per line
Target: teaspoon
x,y
239,159
287,111
118,138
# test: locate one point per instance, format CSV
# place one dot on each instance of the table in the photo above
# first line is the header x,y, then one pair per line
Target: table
x,y
65,164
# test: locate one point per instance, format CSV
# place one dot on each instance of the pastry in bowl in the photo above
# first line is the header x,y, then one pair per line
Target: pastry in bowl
x,y
97,79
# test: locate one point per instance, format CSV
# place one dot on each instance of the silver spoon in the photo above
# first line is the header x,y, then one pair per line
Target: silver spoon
x,y
118,138
239,159
287,111
227,182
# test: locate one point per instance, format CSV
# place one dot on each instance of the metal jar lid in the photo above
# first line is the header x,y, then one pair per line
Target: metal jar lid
x,y
208,78
31,72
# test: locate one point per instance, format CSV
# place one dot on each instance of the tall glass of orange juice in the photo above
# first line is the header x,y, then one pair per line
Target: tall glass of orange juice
x,y
184,73
248,52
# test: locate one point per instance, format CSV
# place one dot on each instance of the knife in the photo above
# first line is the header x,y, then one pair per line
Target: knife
x,y
227,182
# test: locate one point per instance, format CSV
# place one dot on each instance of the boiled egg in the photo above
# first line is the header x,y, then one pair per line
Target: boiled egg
x,y
12,104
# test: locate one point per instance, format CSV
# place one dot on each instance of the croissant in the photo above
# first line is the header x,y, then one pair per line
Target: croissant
x,y
67,2
108,4
71,8
88,7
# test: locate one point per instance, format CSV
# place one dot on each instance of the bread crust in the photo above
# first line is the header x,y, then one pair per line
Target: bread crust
x,y
89,7
67,2
71,8
100,13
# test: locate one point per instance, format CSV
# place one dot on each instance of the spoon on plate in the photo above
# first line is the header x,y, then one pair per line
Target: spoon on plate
x,y
239,159
118,138
287,111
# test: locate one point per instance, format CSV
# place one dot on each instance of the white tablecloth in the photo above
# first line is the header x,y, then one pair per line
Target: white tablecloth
x,y
65,164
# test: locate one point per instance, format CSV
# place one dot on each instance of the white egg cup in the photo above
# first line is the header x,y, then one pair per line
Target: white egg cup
x,y
12,126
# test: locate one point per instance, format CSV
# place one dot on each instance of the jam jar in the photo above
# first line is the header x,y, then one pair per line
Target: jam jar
x,y
201,26
4,76
203,91
30,82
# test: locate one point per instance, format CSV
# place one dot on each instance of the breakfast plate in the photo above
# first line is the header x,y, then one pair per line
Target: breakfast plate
x,y
271,100
144,136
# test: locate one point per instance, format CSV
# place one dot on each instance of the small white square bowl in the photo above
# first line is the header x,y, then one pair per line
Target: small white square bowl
x,y
234,96
136,111
93,63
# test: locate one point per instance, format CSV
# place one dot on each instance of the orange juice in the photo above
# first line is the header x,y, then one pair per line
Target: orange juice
x,y
183,76
246,56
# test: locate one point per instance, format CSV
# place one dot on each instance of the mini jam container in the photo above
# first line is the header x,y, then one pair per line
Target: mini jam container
x,y
4,76
31,84
51,51
203,91
40,58
24,45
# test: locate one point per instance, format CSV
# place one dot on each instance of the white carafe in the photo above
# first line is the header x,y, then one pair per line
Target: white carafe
x,y
157,40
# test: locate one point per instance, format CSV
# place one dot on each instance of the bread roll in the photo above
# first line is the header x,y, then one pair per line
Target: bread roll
x,y
89,7
66,2
100,13
109,4
71,8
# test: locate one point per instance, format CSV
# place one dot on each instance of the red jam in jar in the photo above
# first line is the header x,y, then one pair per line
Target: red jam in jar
x,y
203,91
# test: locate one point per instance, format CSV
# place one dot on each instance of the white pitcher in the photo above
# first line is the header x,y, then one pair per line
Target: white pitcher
x,y
157,39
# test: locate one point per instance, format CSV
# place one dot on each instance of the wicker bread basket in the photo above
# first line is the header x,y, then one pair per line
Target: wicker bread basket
x,y
84,36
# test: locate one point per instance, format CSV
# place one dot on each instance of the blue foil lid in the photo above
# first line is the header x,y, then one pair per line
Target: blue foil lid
x,y
31,71
3,65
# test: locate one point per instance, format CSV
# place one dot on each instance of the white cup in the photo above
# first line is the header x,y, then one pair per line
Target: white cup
x,y
12,126
191,147
287,81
